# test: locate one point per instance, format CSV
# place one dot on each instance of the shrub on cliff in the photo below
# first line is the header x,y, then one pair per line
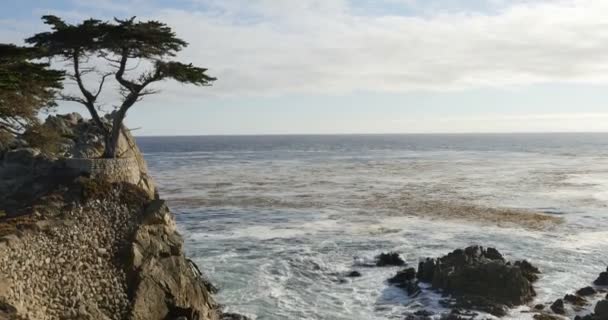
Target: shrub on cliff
x,y
43,138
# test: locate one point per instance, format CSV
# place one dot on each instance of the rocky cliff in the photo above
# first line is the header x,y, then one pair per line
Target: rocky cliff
x,y
88,241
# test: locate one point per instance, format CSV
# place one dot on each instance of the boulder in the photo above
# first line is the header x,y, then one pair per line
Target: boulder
x,y
575,300
406,279
389,259
479,272
558,306
586,291
602,280
353,274
601,310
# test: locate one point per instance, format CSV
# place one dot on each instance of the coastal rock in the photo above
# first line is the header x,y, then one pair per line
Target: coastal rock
x,y
602,280
426,270
353,274
586,291
389,259
233,316
558,306
575,300
601,309
164,284
406,279
479,303
530,272
546,316
479,275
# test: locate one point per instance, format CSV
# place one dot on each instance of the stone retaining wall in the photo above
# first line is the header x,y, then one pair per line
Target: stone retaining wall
x,y
113,170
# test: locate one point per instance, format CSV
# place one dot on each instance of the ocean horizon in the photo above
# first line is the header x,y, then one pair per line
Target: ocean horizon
x,y
276,219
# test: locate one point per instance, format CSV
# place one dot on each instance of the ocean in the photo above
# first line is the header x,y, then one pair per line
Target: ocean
x,y
276,221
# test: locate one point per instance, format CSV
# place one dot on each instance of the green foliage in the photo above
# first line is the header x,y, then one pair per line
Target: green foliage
x,y
147,39
185,73
26,87
44,138
118,42
66,40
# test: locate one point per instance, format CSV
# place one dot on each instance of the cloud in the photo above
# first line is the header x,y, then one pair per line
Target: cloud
x,y
269,47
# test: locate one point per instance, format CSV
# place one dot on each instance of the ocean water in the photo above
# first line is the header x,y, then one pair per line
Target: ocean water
x,y
275,221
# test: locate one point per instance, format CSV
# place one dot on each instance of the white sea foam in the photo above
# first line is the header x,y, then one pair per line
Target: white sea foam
x,y
277,230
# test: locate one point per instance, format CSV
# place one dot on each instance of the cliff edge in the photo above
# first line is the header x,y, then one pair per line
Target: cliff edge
x,y
92,240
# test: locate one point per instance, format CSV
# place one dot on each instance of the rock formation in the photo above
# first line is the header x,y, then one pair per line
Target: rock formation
x,y
78,244
389,259
479,279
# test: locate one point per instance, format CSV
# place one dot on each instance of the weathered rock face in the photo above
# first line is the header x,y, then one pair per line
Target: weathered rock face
x,y
81,148
481,278
163,283
113,254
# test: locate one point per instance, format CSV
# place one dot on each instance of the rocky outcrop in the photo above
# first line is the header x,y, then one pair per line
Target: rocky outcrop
x,y
602,279
80,148
389,259
406,280
558,307
111,254
163,283
480,279
601,310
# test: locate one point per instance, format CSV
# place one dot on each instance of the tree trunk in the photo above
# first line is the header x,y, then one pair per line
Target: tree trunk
x,y
110,146
111,140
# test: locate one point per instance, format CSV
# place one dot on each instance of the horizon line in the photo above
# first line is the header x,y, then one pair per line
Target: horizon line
x,y
371,134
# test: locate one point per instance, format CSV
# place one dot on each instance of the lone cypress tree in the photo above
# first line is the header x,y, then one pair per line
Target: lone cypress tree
x,y
118,43
26,88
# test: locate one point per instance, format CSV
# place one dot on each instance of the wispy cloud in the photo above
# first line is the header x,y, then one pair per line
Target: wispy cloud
x,y
268,47
324,46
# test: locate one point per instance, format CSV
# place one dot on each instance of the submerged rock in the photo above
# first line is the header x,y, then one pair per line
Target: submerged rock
x,y
353,274
480,276
389,259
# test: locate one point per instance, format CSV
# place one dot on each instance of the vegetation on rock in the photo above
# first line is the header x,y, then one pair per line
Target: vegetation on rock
x,y
108,49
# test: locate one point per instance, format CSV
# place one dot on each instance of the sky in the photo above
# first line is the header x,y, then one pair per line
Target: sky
x,y
363,66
